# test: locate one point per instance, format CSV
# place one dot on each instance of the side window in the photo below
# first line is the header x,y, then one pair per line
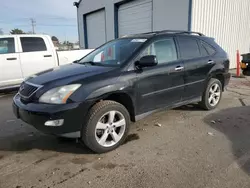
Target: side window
x,y
33,44
203,50
210,50
7,45
164,50
189,48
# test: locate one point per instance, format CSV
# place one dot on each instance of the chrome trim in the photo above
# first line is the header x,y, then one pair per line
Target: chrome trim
x,y
29,83
179,68
210,62
36,85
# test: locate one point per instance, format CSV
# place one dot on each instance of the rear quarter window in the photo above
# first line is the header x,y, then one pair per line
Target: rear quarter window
x,y
210,50
203,50
189,48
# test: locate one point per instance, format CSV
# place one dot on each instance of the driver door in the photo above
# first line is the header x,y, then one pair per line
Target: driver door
x,y
163,84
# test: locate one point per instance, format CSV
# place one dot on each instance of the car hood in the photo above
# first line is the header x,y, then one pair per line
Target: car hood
x,y
67,71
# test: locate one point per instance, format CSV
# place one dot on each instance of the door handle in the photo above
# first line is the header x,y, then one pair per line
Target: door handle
x,y
11,59
179,68
47,56
210,62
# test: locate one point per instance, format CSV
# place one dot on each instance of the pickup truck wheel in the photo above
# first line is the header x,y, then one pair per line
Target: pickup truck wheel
x,y
246,72
212,95
107,126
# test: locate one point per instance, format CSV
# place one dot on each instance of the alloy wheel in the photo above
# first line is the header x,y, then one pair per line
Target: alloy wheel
x,y
110,128
214,94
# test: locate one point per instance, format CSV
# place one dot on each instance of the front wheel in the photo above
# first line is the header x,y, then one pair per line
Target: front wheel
x,y
212,95
107,126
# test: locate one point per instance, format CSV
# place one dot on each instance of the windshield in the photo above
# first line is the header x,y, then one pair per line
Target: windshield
x,y
113,53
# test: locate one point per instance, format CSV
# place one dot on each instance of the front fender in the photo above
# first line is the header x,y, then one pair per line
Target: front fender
x,y
109,89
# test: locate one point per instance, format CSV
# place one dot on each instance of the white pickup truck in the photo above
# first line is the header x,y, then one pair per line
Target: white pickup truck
x,y
25,55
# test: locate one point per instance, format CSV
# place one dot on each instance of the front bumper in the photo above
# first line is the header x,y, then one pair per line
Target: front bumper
x,y
36,114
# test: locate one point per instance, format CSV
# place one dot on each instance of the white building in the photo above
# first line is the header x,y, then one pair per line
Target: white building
x,y
228,21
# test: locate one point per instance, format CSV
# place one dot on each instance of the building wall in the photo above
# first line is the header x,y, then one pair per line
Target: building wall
x,y
167,14
170,14
227,21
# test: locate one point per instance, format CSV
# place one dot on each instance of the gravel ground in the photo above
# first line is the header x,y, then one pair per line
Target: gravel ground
x,y
192,148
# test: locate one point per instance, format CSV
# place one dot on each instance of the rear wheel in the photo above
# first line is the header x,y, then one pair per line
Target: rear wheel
x,y
212,95
107,126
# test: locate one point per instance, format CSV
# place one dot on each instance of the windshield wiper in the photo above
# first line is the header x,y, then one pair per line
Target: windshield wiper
x,y
87,62
76,61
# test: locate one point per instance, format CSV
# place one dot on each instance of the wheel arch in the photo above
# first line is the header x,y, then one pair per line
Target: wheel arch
x,y
121,97
217,75
125,100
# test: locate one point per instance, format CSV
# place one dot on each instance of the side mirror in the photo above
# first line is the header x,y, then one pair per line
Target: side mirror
x,y
147,61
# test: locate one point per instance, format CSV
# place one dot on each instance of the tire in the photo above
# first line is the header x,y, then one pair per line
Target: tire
x,y
206,102
100,116
246,72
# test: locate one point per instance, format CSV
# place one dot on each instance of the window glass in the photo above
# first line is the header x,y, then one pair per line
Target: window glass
x,y
164,50
33,44
7,45
108,54
189,48
209,48
113,53
203,50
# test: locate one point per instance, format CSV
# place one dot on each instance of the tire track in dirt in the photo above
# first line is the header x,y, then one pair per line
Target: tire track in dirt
x,y
70,177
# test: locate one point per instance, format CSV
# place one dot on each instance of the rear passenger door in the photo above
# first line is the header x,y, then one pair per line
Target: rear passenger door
x,y
36,55
197,62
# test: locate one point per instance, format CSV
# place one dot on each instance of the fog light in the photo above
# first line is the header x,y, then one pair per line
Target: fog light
x,y
54,123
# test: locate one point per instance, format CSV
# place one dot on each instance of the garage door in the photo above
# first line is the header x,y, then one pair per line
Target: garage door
x,y
96,29
135,17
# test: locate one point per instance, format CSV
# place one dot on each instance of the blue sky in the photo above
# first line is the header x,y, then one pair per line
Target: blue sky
x,y
53,17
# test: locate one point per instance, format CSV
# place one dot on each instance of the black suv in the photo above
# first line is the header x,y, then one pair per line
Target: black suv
x,y
124,80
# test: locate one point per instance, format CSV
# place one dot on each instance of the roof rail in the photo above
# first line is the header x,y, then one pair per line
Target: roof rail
x,y
192,32
174,32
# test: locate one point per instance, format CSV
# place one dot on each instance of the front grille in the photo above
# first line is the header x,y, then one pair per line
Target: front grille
x,y
26,90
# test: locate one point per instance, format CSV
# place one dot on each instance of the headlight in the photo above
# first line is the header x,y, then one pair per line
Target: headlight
x,y
59,95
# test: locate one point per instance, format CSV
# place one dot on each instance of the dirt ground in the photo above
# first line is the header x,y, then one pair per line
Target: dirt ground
x,y
192,148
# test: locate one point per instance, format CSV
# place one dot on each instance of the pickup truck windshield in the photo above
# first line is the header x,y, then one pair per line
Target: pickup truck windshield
x,y
113,53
